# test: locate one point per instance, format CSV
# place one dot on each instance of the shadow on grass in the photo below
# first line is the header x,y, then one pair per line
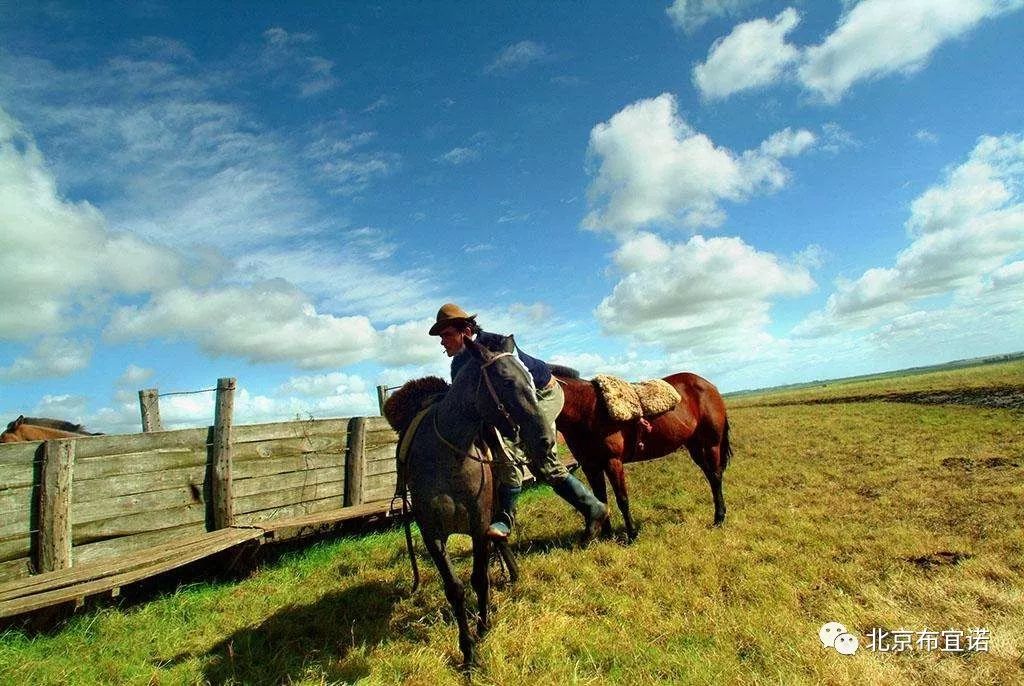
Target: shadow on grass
x,y
325,638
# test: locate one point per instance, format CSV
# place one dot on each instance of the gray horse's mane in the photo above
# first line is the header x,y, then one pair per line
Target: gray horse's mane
x,y
58,424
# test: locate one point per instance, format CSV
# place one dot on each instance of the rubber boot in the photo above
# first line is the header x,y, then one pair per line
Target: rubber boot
x,y
505,515
579,496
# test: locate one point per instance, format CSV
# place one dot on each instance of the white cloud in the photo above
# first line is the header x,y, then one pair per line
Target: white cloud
x,y
873,39
408,344
963,232
882,37
323,385
344,164
690,15
518,56
457,156
285,54
60,256
754,54
72,408
788,143
267,322
708,294
653,168
348,280
134,376
52,357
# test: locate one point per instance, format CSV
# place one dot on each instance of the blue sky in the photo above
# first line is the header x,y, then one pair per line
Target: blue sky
x,y
760,192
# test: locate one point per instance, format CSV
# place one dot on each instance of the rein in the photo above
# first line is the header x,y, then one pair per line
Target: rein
x,y
497,403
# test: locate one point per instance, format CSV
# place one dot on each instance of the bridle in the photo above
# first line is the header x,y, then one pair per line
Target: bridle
x,y
500,406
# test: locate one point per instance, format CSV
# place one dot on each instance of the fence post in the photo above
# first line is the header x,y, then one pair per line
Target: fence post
x,y
382,395
355,461
55,505
149,404
223,505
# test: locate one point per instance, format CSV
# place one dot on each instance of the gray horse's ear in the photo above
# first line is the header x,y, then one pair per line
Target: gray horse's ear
x,y
508,344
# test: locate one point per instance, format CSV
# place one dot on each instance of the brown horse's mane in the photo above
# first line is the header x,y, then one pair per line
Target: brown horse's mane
x,y
58,424
564,372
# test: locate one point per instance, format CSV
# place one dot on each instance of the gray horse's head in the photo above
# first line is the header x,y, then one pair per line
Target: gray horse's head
x,y
513,405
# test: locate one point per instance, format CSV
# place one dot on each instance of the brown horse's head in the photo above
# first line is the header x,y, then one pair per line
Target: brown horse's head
x,y
40,429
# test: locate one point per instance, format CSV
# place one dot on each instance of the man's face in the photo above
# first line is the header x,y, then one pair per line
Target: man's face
x,y
451,339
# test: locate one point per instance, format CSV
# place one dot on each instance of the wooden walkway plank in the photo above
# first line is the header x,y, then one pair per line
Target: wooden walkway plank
x,y
319,522
216,542
97,570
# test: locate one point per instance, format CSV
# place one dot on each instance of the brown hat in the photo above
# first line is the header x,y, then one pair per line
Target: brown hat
x,y
449,314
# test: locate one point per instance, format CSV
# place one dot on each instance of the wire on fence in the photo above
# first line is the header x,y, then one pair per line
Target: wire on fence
x,y
204,390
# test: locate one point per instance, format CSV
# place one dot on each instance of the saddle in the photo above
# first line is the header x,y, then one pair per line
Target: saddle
x,y
635,402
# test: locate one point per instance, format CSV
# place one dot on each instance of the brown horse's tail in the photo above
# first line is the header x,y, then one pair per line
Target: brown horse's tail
x,y
726,448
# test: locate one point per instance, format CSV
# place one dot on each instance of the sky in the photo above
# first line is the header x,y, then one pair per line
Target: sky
x,y
285,193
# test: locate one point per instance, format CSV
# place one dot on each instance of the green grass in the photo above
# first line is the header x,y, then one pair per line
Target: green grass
x,y
829,506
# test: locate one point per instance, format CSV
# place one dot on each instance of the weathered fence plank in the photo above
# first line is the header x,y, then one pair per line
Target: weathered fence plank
x,y
251,469
137,523
250,433
13,547
111,488
122,444
285,447
17,524
296,510
16,569
220,472
18,462
16,503
277,482
152,501
123,545
55,505
117,465
291,496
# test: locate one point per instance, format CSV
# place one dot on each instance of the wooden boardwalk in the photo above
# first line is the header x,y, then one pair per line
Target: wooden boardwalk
x,y
74,585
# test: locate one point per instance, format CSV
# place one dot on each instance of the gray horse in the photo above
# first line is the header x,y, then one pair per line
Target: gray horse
x,y
449,472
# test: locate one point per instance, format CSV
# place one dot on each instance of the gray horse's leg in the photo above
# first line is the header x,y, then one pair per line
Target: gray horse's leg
x,y
481,581
455,591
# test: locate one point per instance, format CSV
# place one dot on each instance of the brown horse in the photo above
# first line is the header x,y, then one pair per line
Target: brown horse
x,y
601,445
40,429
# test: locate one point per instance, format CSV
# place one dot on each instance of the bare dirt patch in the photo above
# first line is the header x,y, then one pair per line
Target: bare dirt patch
x,y
941,558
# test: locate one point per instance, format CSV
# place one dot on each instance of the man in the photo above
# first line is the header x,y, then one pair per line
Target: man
x,y
453,323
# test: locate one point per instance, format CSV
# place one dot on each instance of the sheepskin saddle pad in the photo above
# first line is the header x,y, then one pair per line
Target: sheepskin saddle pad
x,y
628,401
403,405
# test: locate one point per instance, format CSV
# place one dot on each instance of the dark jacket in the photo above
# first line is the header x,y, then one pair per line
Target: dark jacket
x,y
538,369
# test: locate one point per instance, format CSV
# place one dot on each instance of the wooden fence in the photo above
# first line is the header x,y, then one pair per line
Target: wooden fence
x,y
72,501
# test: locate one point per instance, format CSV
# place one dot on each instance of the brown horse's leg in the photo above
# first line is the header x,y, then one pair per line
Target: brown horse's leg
x,y
455,591
617,477
707,455
481,581
595,476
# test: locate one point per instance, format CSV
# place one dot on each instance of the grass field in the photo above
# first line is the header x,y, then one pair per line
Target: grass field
x,y
874,514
